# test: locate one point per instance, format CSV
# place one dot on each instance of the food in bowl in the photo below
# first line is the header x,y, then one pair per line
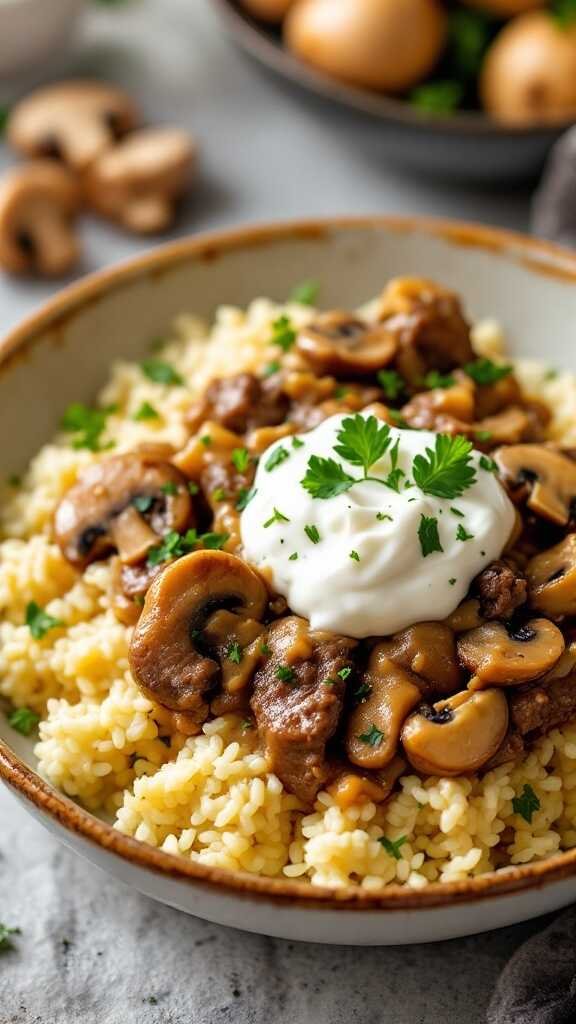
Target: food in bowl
x,y
295,597
514,59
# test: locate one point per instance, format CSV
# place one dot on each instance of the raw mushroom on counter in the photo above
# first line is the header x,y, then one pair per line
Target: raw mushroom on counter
x,y
39,204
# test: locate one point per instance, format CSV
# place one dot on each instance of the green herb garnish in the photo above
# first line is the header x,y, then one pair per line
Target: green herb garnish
x,y
276,458
271,368
392,846
392,383
344,672
234,653
265,649
462,533
488,464
6,934
527,804
395,475
456,512
362,441
38,621
87,425
160,372
293,557
23,720
325,478
312,534
213,541
283,333
175,545
354,556
469,34
193,487
452,581
285,674
305,293
277,517
143,502
146,412
482,435
373,737
445,472
434,379
297,443
563,12
428,535
241,459
169,488
362,692
245,495
484,371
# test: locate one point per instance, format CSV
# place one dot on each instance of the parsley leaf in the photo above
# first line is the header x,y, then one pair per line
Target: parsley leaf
x,y
160,372
193,487
271,368
484,371
392,383
175,545
283,333
293,557
305,293
241,459
344,672
428,535
312,534
392,846
234,653
563,12
446,472
88,425
488,464
277,517
362,692
395,475
462,533
169,488
434,379
213,541
245,496
276,458
354,556
38,621
362,441
285,674
297,443
325,478
6,934
146,412
373,737
526,804
23,720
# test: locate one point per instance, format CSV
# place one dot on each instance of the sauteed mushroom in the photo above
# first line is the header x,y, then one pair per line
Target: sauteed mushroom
x,y
73,121
502,656
166,652
457,735
125,502
552,579
374,726
340,343
429,650
38,205
549,475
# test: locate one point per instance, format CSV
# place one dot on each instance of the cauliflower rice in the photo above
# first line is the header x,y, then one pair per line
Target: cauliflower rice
x,y
212,797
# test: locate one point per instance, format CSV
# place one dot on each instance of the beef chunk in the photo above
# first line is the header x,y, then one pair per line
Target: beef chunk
x,y
541,707
297,701
501,589
241,403
511,749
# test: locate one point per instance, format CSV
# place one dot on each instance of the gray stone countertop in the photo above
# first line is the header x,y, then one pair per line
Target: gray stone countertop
x,y
92,951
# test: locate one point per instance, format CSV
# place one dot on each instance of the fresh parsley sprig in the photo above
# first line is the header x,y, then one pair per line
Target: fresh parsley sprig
x,y
362,441
526,804
446,471
485,371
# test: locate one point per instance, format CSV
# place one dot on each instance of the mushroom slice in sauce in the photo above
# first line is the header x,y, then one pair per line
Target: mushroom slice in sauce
x,y
374,726
457,735
170,657
502,656
429,650
547,474
126,502
552,579
340,343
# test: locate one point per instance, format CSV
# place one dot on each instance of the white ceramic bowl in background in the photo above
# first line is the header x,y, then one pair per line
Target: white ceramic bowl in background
x,y
63,354
34,31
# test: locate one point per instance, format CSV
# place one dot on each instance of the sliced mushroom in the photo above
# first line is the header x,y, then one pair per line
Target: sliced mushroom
x,y
499,655
73,121
547,475
429,325
342,344
39,203
374,726
355,787
126,502
138,182
552,579
233,639
170,657
458,735
429,650
444,410
466,616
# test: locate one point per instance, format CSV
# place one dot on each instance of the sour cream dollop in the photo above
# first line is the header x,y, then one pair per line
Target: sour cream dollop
x,y
354,563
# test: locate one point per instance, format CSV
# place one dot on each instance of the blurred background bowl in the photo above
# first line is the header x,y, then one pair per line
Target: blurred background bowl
x,y
463,146
34,31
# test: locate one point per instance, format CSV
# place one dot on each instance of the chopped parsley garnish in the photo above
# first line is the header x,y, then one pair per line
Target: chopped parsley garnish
x,y
362,692
213,541
143,502
245,495
312,533
526,804
146,412
265,649
563,12
395,475
344,672
362,441
87,425
23,720
341,391
383,515
246,724
462,533
452,581
160,372
276,458
271,368
277,517
206,440
482,435
445,472
14,480
285,674
241,459
354,556
234,653
551,372
6,934
428,535
283,333
293,557
219,494
456,512
297,443
392,383
38,621
484,371
328,682
393,846
434,379
193,487
469,34
373,737
169,488
174,545
305,293
326,478
488,464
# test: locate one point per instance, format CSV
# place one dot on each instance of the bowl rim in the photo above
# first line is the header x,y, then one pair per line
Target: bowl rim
x,y
254,37
539,257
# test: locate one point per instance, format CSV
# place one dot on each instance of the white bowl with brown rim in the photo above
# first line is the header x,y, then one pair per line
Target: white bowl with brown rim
x,y
63,353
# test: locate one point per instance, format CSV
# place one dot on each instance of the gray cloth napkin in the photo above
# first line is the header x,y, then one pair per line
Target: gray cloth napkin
x,y
538,986
554,202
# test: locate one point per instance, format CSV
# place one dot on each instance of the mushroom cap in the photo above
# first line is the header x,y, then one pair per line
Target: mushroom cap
x,y
267,10
529,73
550,475
552,579
164,657
457,735
340,343
388,45
74,121
38,202
393,693
499,656
137,182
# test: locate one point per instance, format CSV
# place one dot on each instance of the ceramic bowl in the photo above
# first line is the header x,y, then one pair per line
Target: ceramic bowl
x,y
465,146
63,353
32,31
